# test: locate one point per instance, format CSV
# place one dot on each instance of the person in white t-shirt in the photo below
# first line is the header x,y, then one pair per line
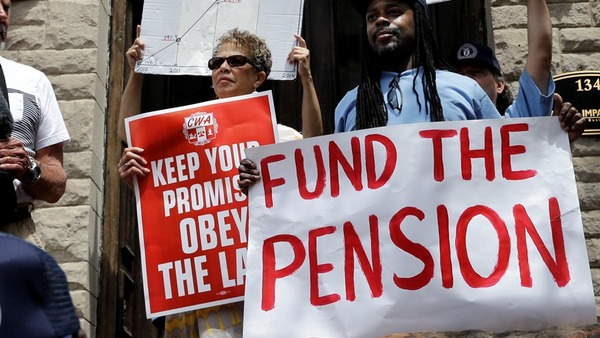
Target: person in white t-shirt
x,y
33,154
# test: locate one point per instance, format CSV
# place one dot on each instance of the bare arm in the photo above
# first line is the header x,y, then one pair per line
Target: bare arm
x,y
131,101
539,39
53,180
312,123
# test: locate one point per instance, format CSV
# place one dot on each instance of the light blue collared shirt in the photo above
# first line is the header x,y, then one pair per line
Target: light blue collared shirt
x,y
462,99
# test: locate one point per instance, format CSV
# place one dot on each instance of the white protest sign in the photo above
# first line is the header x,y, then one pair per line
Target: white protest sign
x,y
419,227
180,35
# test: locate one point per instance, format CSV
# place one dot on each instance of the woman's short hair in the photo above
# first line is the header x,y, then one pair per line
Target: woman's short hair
x,y
254,45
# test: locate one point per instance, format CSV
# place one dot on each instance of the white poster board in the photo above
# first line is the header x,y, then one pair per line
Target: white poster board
x,y
180,35
415,228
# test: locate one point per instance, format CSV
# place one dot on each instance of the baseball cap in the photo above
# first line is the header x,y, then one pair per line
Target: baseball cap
x,y
34,294
469,53
361,5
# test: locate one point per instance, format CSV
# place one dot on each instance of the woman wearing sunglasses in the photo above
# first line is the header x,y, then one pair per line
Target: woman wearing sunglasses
x,y
240,65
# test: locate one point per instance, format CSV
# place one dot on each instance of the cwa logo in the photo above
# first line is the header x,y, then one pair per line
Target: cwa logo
x,y
200,128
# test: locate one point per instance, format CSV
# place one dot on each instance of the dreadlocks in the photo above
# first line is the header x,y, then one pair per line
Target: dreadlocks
x,y
370,107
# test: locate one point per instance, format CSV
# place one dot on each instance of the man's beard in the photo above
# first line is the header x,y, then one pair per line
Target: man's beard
x,y
390,50
393,49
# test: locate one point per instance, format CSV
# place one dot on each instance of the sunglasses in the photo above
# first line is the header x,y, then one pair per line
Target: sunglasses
x,y
232,61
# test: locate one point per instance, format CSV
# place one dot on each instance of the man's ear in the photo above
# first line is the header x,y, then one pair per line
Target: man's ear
x,y
260,79
500,84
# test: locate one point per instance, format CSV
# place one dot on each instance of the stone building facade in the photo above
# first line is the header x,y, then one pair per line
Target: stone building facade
x,y
69,41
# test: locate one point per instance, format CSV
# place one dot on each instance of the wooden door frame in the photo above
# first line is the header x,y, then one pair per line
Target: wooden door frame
x,y
109,256
120,301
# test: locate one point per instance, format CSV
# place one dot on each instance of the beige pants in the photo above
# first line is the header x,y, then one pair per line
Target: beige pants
x,y
222,321
24,229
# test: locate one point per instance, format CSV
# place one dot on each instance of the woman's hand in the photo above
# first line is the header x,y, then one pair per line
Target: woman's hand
x,y
300,56
136,51
132,164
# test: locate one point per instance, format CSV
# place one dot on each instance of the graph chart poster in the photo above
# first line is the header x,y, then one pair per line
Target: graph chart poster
x,y
181,35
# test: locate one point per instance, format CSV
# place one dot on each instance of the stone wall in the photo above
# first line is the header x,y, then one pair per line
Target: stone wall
x,y
67,40
576,46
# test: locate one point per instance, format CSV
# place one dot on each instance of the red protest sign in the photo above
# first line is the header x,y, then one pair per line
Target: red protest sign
x,y
192,217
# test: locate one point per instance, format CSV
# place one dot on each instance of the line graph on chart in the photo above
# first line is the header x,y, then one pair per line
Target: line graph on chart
x,y
180,35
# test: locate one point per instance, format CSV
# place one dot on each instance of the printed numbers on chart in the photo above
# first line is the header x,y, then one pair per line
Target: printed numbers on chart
x,y
174,70
142,69
287,75
585,85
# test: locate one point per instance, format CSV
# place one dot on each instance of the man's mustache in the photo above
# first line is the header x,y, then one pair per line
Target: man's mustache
x,y
386,30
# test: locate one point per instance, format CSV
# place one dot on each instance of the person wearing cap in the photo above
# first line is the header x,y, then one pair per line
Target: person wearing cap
x,y
536,85
478,62
34,293
403,78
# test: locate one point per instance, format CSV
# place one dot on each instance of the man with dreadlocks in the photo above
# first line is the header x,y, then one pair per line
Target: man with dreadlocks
x,y
404,79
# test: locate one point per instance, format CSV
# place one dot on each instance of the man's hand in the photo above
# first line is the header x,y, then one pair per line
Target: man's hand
x,y
249,175
570,119
13,157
